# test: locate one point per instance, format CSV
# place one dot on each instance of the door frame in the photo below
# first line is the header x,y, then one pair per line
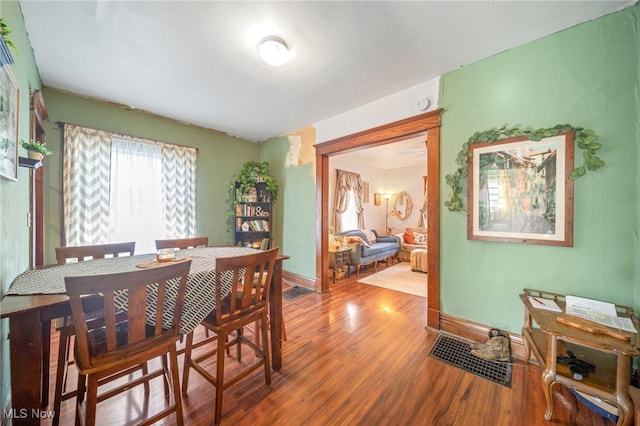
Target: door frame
x,y
427,123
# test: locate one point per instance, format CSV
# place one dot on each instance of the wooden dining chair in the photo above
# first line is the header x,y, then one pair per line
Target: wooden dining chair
x,y
182,243
98,251
65,326
185,243
151,330
242,298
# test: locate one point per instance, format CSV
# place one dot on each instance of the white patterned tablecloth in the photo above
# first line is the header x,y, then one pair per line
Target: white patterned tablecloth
x,y
199,298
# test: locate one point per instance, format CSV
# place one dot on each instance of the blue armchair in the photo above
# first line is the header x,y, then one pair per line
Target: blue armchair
x,y
362,253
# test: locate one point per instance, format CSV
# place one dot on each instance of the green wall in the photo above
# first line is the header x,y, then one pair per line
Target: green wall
x,y
220,157
295,210
586,76
14,196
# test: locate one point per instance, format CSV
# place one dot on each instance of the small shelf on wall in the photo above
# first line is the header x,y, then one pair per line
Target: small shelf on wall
x,y
29,163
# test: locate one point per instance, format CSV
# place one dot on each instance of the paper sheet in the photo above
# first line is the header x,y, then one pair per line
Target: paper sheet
x,y
601,312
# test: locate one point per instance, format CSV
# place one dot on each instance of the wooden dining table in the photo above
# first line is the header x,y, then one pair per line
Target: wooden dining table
x,y
38,296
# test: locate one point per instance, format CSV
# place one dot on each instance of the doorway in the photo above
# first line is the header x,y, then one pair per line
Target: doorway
x,y
429,124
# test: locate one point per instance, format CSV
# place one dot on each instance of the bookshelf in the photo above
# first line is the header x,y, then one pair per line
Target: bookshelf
x,y
253,213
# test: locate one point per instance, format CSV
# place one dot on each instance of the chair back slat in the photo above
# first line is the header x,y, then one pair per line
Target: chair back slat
x,y
250,277
109,313
182,243
98,251
97,347
161,307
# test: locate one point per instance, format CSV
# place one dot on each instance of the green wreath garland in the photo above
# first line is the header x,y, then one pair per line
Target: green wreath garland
x,y
585,138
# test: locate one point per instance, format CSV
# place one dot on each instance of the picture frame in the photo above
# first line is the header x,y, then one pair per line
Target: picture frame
x,y
377,199
519,191
9,109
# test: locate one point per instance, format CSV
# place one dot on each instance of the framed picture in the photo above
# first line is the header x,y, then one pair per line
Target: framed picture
x,y
377,199
365,192
519,191
9,98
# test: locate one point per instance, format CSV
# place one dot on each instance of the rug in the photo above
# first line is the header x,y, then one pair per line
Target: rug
x,y
295,292
457,353
399,277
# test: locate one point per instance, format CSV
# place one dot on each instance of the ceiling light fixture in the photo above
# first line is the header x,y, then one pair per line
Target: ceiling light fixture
x,y
274,50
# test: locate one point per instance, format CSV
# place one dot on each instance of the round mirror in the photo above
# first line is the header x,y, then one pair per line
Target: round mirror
x,y
402,206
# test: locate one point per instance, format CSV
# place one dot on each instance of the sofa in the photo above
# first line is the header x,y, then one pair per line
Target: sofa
x,y
365,251
409,242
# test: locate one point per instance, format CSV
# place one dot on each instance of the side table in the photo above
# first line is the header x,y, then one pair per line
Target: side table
x,y
340,258
611,356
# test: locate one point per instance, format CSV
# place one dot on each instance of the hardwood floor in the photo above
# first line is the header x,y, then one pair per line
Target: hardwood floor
x,y
359,356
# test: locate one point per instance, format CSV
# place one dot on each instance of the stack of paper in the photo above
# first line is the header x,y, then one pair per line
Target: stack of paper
x,y
601,312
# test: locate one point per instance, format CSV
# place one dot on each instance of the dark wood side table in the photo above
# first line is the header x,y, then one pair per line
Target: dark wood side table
x,y
340,258
611,356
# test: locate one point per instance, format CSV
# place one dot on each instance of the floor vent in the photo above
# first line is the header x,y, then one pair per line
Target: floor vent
x,y
458,353
295,292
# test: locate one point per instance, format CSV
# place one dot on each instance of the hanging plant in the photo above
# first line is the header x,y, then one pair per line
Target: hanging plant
x,y
252,173
584,138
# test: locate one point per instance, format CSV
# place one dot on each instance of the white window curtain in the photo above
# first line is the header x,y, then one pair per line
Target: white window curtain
x,y
346,183
118,188
135,208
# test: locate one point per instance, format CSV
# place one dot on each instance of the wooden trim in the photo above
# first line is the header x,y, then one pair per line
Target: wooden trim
x,y
381,135
38,117
476,332
428,123
322,225
433,228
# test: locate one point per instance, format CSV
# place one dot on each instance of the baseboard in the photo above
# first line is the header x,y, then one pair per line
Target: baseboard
x,y
476,332
293,279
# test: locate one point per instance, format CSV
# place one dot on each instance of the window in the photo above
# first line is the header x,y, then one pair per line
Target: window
x,y
117,188
348,211
349,217
135,202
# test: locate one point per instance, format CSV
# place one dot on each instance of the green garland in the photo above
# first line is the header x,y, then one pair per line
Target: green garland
x,y
585,138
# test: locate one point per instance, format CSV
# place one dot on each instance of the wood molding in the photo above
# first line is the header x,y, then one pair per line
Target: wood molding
x,y
427,123
476,332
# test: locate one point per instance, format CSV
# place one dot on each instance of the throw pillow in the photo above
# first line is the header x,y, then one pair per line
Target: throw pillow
x,y
369,236
419,239
357,240
408,237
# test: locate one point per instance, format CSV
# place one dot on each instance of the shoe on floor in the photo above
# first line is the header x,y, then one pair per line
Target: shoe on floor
x,y
496,350
494,332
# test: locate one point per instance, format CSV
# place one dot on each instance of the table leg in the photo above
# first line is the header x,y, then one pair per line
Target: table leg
x,y
26,371
623,399
275,316
46,354
549,374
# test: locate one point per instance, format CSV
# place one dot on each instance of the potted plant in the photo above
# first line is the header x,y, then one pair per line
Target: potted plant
x,y
5,31
35,150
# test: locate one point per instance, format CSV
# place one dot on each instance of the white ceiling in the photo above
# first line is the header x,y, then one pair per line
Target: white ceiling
x,y
197,62
407,153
